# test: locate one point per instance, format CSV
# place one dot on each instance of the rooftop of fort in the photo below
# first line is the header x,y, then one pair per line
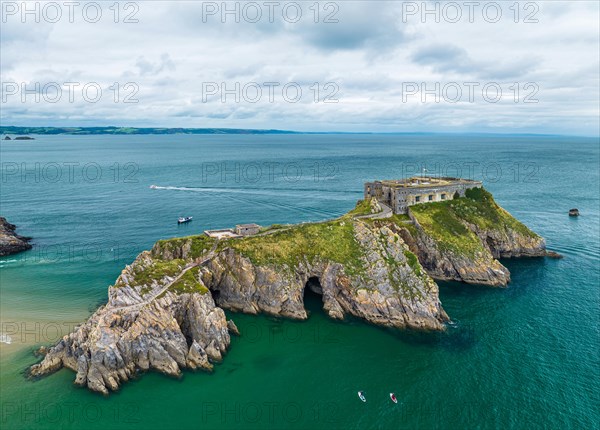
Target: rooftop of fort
x,y
425,182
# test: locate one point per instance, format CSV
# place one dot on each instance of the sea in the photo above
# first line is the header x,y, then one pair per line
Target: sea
x,y
521,357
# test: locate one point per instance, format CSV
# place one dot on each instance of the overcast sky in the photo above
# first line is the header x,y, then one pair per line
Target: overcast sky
x,y
373,58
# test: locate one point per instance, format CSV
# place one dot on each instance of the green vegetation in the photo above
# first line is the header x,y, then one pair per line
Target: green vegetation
x,y
272,227
363,207
157,270
441,223
445,221
199,245
332,240
188,283
400,218
481,209
413,262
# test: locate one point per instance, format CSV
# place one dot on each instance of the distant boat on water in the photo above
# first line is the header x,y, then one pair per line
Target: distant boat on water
x,y
183,220
153,187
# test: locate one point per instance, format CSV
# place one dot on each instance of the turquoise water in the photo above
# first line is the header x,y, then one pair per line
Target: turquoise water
x,y
522,357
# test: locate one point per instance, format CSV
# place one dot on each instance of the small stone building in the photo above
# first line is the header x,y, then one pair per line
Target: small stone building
x,y
247,229
399,194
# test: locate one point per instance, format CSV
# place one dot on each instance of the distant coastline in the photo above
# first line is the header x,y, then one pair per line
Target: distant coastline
x,y
124,131
10,130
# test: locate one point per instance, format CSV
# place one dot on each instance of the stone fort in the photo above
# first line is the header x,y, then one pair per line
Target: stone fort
x,y
399,194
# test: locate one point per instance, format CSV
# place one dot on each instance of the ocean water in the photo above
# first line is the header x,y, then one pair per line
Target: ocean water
x,y
522,357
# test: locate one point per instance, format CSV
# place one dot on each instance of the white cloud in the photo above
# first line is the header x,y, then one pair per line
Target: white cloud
x,y
369,54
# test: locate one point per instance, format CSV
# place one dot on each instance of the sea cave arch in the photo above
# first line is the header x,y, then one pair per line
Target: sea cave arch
x,y
313,295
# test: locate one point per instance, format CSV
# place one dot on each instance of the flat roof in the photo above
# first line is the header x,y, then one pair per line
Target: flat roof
x,y
248,225
425,182
220,234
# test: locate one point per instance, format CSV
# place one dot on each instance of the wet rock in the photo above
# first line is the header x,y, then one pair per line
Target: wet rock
x,y
232,328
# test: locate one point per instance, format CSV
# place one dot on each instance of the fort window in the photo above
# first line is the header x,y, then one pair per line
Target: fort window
x,y
417,199
443,196
430,197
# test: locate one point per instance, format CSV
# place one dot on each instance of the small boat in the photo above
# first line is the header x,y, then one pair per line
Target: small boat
x,y
183,220
361,396
393,397
573,212
153,187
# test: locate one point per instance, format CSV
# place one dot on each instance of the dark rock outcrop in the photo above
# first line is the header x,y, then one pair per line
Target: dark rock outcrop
x,y
10,242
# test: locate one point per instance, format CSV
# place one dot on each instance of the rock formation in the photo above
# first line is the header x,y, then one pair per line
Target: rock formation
x,y
10,242
388,291
165,310
160,324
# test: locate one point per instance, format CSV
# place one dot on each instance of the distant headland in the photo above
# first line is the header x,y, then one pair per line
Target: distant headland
x,y
126,131
12,130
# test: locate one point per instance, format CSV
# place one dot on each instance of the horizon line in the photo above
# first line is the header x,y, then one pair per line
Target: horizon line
x,y
5,130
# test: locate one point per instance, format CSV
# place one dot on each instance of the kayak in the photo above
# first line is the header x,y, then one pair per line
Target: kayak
x,y
361,396
393,397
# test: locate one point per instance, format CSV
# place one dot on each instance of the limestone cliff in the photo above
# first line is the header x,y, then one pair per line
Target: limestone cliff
x,y
383,286
164,323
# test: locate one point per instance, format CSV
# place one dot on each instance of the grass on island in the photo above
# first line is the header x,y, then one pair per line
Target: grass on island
x,y
188,283
272,227
480,208
156,271
199,245
332,240
444,221
413,262
441,223
363,207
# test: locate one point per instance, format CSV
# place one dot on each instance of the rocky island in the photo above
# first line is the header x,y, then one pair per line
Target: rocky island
x,y
165,310
10,242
